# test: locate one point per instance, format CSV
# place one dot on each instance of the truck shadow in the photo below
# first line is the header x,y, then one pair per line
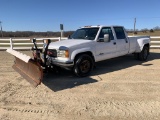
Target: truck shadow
x,y
66,80
123,62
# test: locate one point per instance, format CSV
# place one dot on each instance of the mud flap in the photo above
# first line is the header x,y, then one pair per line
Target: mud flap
x,y
31,71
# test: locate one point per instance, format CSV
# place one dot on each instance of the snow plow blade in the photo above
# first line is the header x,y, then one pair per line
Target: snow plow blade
x,y
31,71
28,68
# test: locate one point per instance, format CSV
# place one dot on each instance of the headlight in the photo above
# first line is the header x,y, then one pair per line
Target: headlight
x,y
63,53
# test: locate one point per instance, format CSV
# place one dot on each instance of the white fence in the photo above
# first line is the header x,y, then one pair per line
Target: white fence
x,y
155,41
26,44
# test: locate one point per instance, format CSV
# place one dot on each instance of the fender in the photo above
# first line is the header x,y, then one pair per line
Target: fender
x,y
82,50
141,43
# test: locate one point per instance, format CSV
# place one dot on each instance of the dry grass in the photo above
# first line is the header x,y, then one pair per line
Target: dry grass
x,y
148,33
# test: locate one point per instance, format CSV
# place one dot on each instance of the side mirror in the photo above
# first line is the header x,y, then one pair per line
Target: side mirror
x,y
106,38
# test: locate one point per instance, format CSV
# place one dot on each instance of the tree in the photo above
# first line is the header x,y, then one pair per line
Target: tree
x,y
156,28
144,30
135,32
151,30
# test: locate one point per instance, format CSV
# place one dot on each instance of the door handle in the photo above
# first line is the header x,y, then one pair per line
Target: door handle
x,y
114,43
101,53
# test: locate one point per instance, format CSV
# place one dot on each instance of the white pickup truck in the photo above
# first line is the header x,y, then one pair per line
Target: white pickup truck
x,y
79,53
91,44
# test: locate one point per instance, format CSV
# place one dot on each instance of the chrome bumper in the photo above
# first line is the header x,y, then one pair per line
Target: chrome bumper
x,y
63,64
54,61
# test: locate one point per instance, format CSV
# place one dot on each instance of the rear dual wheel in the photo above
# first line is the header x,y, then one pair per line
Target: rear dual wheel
x,y
143,55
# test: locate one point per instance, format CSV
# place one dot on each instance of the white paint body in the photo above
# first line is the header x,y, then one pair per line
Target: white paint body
x,y
100,50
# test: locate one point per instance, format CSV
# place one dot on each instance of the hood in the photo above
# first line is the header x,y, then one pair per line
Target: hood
x,y
68,43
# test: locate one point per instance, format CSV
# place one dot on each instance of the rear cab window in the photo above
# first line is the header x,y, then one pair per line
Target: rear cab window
x,y
120,34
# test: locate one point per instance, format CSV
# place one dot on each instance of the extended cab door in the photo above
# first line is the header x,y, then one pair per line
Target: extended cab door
x,y
122,41
105,50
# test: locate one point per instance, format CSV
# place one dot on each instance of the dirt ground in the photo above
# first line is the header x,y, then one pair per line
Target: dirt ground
x,y
118,89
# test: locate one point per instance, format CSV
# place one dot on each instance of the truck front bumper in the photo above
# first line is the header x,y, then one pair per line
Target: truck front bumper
x,y
63,64
59,62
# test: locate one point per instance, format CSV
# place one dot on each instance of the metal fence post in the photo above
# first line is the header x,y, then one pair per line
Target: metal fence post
x,y
11,43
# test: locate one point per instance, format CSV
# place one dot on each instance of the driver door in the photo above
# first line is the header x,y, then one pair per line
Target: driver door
x,y
106,50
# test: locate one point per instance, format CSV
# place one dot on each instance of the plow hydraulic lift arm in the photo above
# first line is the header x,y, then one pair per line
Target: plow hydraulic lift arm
x,y
31,68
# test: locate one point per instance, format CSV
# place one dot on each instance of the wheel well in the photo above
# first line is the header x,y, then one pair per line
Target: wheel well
x,y
88,53
147,45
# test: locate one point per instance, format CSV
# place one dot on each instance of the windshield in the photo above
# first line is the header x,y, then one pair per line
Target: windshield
x,y
85,33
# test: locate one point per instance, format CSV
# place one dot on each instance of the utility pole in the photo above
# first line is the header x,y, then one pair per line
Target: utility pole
x,y
134,25
1,28
61,28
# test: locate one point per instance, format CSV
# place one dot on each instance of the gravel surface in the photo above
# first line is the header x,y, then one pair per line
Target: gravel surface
x,y
118,89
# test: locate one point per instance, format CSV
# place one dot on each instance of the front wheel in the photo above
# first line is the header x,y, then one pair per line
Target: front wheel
x,y
83,65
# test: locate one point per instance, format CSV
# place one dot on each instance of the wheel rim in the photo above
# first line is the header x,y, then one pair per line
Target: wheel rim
x,y
145,53
85,66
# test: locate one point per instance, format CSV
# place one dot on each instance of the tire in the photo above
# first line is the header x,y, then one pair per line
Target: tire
x,y
136,56
143,55
83,65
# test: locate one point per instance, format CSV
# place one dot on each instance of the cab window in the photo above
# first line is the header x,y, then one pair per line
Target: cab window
x,y
85,33
106,30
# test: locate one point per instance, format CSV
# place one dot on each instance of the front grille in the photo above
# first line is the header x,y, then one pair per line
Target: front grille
x,y
52,53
